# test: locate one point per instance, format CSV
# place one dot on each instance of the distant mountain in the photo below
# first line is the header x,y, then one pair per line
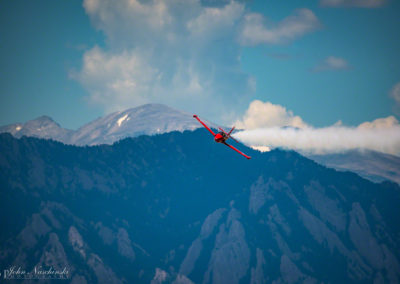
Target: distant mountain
x,y
179,208
147,119
41,127
372,165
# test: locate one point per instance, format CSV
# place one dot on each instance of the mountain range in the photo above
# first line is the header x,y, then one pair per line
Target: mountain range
x,y
179,208
147,119
153,119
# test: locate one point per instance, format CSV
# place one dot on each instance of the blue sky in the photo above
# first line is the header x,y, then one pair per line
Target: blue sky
x,y
326,61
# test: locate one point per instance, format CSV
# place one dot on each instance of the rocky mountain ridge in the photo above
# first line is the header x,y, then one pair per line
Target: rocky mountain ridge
x,y
179,208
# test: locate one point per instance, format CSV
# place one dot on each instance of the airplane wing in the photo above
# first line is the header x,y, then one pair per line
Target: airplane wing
x,y
196,117
241,153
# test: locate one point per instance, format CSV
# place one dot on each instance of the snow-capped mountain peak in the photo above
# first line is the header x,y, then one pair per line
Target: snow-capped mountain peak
x,y
147,119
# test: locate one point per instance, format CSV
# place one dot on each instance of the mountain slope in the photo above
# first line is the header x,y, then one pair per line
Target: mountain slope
x,y
368,164
180,208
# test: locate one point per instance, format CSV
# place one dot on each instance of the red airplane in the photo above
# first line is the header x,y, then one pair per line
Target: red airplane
x,y
222,136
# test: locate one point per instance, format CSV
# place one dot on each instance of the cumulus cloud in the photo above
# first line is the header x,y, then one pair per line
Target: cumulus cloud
x,y
395,94
113,79
182,53
256,31
128,22
214,20
263,130
331,63
353,3
380,123
265,114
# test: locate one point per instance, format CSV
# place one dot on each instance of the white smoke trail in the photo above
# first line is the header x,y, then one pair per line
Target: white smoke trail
x,y
326,140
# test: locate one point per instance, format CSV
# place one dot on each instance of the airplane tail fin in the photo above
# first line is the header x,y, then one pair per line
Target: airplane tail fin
x,y
229,133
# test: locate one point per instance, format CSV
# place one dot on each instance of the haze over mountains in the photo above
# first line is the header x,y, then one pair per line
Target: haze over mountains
x,y
179,208
152,119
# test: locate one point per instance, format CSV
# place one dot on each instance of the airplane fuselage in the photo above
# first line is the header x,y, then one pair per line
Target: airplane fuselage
x,y
220,137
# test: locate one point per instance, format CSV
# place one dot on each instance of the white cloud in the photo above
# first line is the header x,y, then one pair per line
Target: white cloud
x,y
395,94
129,20
265,114
263,124
178,52
331,63
214,20
115,80
380,123
353,3
255,31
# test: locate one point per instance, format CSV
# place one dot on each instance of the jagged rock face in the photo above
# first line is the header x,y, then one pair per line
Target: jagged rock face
x,y
179,208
